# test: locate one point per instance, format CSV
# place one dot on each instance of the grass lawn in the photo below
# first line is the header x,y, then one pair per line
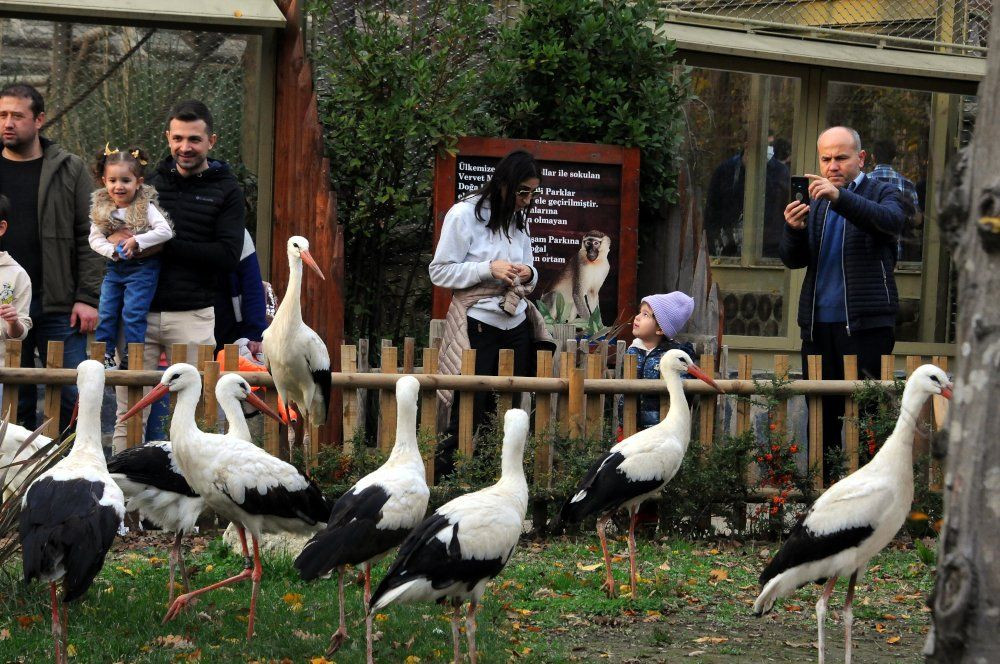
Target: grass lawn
x,y
547,606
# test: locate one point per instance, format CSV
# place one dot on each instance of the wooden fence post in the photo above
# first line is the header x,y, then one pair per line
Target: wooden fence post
x,y
744,372
349,364
136,425
205,354
595,402
387,402
851,416
210,404
630,408
888,367
506,368
466,445
708,404
617,372
11,393
428,412
409,350
53,393
543,415
363,367
576,403
815,364
178,353
96,351
562,402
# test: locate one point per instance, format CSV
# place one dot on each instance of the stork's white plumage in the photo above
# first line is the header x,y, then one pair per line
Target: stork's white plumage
x,y
296,357
18,445
237,479
71,513
466,542
155,487
375,515
856,517
638,467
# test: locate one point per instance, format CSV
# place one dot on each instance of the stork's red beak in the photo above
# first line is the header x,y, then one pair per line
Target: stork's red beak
x,y
74,414
154,395
696,371
260,405
946,392
308,260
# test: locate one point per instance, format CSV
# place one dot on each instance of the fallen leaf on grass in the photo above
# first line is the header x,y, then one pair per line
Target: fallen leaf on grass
x,y
412,659
793,608
793,644
291,598
4,634
174,641
381,617
888,616
209,569
125,570
588,568
71,650
892,639
320,660
695,653
305,636
711,639
27,621
717,575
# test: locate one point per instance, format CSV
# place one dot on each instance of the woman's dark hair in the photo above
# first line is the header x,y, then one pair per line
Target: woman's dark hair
x,y
501,191
136,159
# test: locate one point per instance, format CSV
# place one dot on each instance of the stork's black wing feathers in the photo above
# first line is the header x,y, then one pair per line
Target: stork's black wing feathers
x,y
322,378
804,546
64,524
352,535
604,489
423,555
307,504
150,464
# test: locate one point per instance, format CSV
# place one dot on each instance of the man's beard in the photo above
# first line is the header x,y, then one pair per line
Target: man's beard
x,y
18,145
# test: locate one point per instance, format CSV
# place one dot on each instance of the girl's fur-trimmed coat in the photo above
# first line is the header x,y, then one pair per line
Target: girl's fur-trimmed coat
x,y
142,217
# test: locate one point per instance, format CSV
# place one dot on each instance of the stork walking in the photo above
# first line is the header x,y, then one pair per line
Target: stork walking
x,y
70,514
295,355
155,487
638,467
238,480
466,542
855,518
375,515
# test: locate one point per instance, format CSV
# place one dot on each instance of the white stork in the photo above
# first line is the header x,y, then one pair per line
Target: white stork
x,y
466,542
638,467
237,479
295,355
71,513
856,517
155,487
375,515
19,445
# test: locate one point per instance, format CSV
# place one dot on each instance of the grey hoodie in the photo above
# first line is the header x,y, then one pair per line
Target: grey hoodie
x,y
15,289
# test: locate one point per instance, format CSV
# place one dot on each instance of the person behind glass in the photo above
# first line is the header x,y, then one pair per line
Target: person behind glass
x,y
659,320
846,239
484,256
133,267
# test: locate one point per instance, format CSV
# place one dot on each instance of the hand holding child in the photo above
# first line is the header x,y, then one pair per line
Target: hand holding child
x,y
128,248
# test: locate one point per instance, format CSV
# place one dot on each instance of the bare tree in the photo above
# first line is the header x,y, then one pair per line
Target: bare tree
x,y
966,614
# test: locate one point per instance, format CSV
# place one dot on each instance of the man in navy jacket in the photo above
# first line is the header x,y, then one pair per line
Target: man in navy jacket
x,y
846,238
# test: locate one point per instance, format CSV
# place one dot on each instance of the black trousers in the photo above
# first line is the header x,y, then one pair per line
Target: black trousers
x,y
487,342
831,341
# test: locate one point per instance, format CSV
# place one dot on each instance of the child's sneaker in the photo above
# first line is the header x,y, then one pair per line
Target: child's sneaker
x,y
109,363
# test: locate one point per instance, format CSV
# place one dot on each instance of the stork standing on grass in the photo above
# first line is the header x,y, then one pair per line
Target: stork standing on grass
x,y
238,480
375,515
71,513
295,355
638,467
856,517
155,487
466,542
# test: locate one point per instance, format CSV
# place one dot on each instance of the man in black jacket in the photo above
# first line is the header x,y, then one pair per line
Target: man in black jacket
x,y
846,239
205,203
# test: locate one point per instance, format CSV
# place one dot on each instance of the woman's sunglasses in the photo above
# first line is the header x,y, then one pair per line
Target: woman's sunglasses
x,y
525,192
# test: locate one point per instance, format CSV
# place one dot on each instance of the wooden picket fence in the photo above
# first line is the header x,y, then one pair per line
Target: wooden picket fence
x,y
574,390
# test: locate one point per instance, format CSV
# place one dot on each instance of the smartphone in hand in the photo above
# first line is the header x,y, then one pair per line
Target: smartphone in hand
x,y
800,189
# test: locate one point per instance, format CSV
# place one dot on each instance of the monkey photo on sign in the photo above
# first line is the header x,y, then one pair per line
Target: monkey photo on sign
x,y
581,279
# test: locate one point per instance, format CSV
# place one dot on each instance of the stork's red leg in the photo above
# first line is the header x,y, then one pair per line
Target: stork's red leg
x,y
455,631
171,564
632,563
185,581
258,572
186,598
369,638
65,633
56,627
849,617
609,581
821,616
338,637
470,629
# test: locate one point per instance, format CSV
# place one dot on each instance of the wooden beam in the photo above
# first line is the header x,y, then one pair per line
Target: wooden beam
x,y
815,363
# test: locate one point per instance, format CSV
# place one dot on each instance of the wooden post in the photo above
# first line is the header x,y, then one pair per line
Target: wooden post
x,y
53,393
210,402
781,374
466,445
595,402
409,349
363,394
562,403
178,353
888,367
630,409
851,415
543,415
744,372
428,413
387,402
96,351
576,405
12,359
206,354
349,364
617,372
231,357
505,399
815,364
134,427
708,404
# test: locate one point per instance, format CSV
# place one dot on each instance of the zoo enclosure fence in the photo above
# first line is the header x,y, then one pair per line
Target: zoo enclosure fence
x,y
574,394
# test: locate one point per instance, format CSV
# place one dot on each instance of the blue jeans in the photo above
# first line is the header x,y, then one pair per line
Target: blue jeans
x,y
46,328
127,292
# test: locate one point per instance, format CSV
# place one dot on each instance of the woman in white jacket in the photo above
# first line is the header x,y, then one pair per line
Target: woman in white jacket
x,y
484,256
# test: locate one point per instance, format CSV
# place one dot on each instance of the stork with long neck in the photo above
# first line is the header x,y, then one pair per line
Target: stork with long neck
x,y
295,355
375,515
238,480
855,518
155,487
638,467
71,513
453,553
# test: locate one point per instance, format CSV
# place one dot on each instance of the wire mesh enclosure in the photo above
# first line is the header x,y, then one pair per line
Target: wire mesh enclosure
x,y
955,24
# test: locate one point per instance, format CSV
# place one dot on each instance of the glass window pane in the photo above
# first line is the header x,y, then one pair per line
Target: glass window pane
x,y
781,100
